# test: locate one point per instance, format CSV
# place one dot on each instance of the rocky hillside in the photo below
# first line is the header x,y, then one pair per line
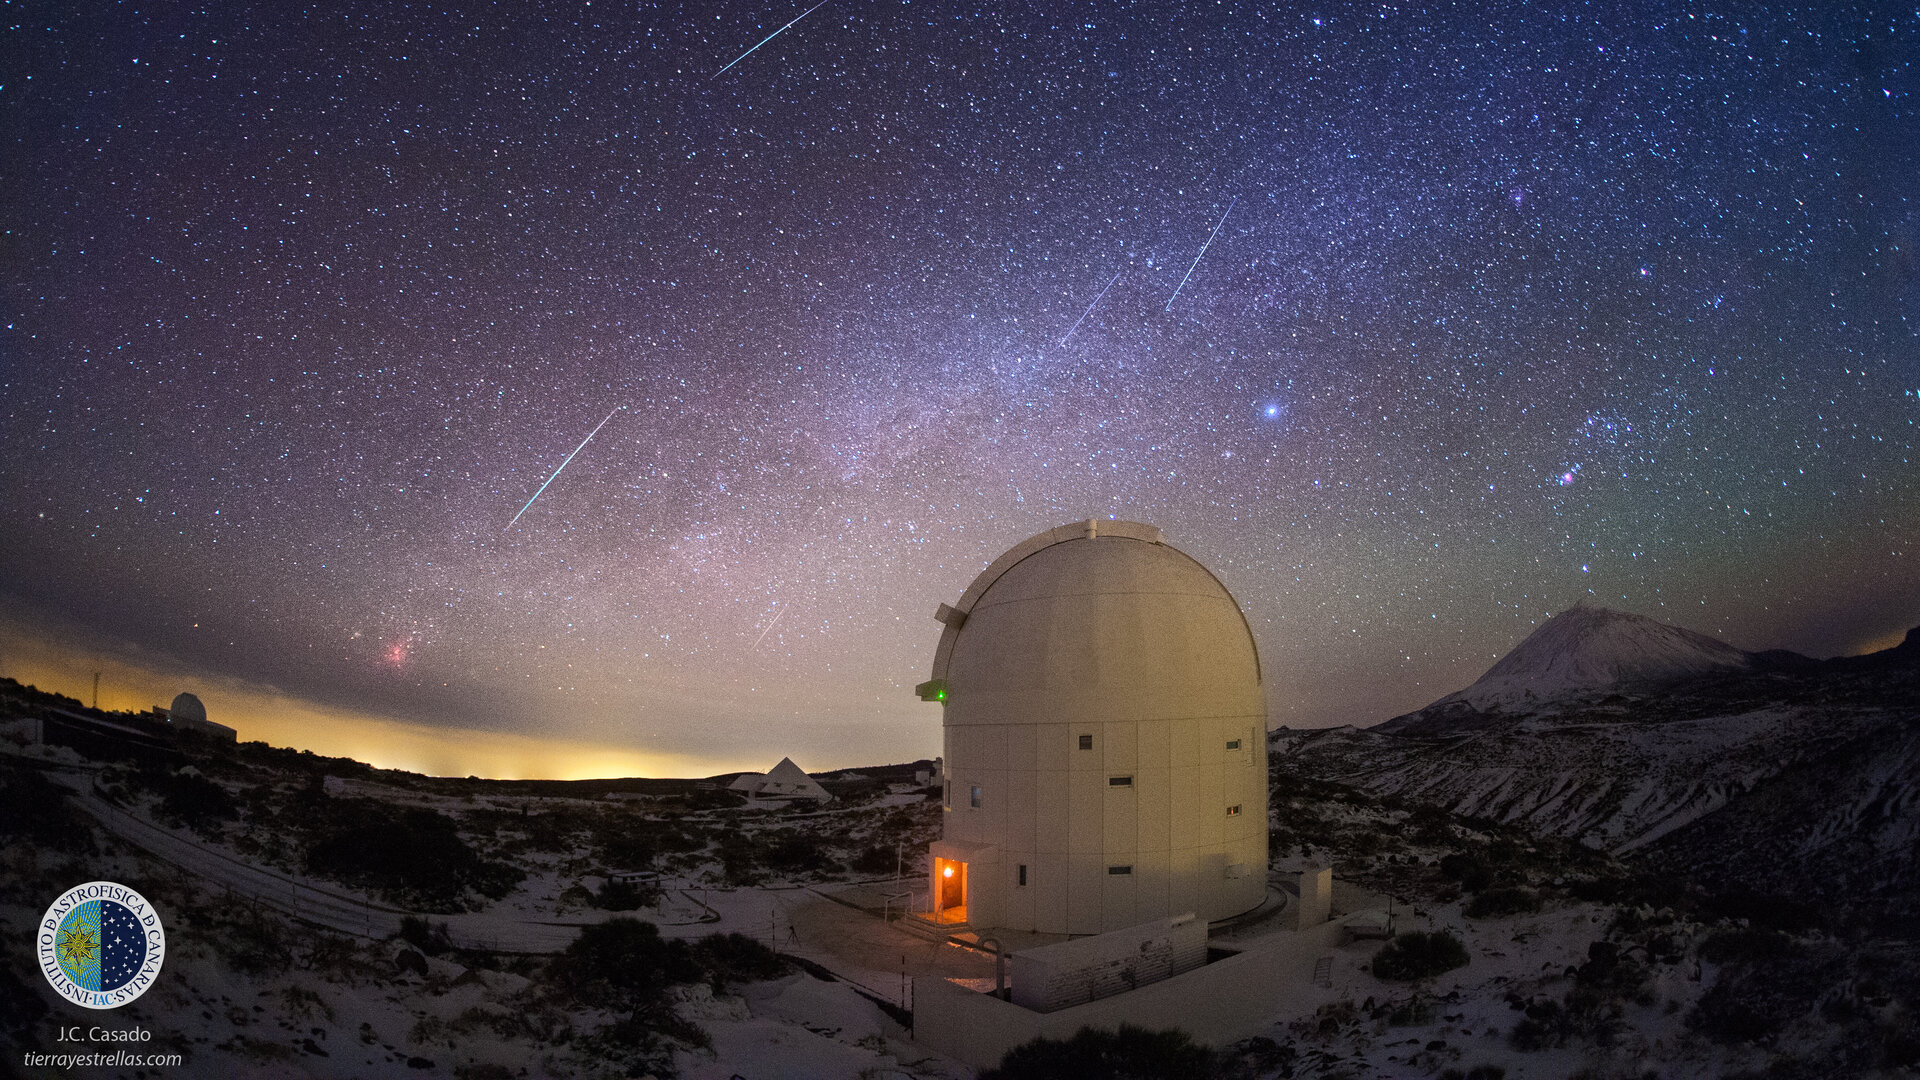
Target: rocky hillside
x,y
1769,772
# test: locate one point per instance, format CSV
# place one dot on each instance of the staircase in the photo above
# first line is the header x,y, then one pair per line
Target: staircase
x,y
921,926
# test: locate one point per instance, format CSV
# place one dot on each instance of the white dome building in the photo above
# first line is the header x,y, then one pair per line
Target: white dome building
x,y
1105,739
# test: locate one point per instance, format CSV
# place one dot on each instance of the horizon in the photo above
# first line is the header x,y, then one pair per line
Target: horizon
x,y
265,715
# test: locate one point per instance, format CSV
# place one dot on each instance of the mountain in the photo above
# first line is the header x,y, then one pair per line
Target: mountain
x,y
1767,772
1580,652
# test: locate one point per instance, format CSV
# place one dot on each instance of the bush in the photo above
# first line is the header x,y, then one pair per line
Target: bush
x,y
1418,955
1764,911
1546,1025
736,958
35,808
426,935
1510,900
1726,1016
413,854
1262,1057
876,860
1745,947
1131,1053
196,802
795,852
1594,1009
623,964
625,896
1471,871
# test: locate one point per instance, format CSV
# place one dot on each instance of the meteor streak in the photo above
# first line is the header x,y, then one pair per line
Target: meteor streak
x,y
1090,307
769,37
563,464
1203,251
768,630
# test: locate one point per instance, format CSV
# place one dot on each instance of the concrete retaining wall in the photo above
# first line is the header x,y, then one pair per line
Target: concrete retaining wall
x,y
1221,1003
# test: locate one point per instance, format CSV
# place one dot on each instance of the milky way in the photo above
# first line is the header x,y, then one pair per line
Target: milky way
x,y
1512,309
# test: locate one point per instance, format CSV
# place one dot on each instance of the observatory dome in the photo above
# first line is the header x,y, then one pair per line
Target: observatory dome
x,y
1098,618
187,707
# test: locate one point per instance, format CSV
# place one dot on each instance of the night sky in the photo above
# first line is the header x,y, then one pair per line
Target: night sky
x,y
1507,307
123,946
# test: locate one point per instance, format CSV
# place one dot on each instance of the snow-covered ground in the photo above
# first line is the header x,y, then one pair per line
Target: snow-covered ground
x,y
276,973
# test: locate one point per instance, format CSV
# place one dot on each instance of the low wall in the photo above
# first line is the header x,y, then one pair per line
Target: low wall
x,y
1069,973
1218,1004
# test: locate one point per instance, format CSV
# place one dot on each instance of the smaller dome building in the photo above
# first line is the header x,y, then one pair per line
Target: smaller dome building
x,y
187,709
188,714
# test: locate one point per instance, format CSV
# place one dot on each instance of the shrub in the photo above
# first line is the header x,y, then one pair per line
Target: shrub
x,y
1764,911
1132,1053
1471,871
877,859
1594,1009
625,896
623,964
196,802
424,934
1726,1016
35,808
413,853
1745,947
1418,955
1546,1025
1264,1057
736,958
795,852
1509,900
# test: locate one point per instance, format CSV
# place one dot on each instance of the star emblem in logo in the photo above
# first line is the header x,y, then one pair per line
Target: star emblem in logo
x,y
77,946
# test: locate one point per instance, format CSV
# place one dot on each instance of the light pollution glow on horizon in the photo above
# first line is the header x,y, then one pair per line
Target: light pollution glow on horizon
x,y
261,713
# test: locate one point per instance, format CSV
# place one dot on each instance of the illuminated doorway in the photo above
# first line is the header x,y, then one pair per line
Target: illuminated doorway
x,y
949,891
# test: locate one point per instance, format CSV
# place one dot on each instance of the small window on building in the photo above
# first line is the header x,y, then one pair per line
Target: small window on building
x,y
1086,742
1119,781
1022,879
1233,744
946,793
1234,810
973,796
1117,871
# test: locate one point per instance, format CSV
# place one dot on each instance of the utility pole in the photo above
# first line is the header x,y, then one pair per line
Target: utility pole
x,y
96,690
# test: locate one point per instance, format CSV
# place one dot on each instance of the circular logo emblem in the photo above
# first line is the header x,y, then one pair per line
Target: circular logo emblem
x,y
101,945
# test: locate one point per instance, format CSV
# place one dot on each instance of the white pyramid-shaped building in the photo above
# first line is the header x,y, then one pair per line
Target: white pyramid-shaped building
x,y
783,781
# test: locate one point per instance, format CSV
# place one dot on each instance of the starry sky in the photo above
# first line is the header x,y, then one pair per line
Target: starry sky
x,y
1414,323
123,945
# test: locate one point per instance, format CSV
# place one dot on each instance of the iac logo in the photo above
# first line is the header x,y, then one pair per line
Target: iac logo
x,y
101,945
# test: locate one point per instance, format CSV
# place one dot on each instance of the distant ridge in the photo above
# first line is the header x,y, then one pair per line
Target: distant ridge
x,y
1578,653
1767,774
